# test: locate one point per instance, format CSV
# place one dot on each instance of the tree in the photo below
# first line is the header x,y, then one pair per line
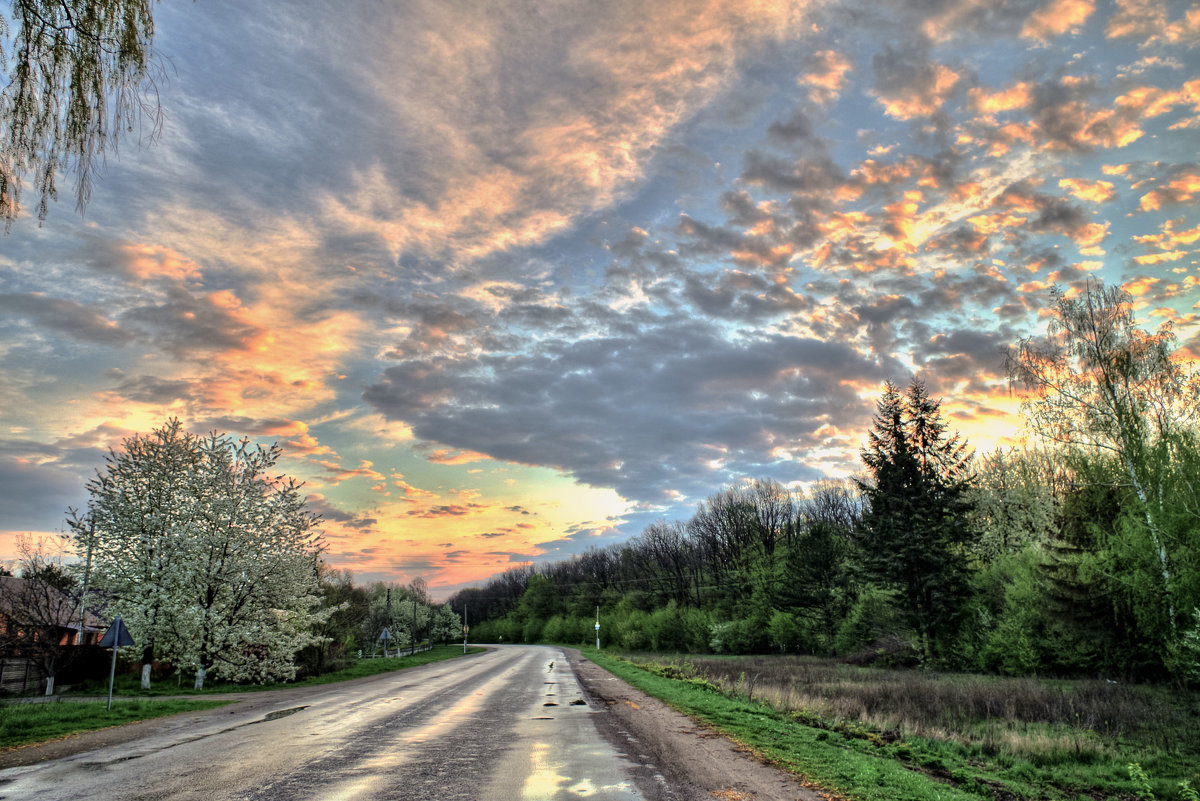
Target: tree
x,y
81,75
138,517
817,570
1100,382
1016,501
446,625
913,530
341,633
39,612
210,559
246,591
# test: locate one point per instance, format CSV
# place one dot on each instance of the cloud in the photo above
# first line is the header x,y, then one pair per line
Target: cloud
x,y
1181,186
153,390
67,317
1149,21
446,510
911,85
334,473
825,74
1056,18
448,456
576,134
694,400
186,325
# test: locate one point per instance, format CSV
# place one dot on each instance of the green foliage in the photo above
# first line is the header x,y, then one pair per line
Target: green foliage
x,y
786,632
871,622
1144,786
1102,383
1187,659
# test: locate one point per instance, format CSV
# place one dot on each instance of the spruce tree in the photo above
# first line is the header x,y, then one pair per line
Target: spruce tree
x,y
912,535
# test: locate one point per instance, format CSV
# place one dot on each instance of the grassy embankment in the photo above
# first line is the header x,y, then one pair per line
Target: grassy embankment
x,y
34,722
911,736
25,723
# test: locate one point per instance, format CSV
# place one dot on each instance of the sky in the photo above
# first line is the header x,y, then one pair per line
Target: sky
x,y
511,280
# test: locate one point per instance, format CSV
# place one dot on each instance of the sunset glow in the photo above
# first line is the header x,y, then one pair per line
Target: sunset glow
x,y
511,280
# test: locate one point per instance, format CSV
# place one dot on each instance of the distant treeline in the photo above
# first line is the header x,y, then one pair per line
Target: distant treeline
x,y
1080,556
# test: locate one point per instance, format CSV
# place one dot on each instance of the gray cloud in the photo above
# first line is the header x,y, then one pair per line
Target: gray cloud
x,y
149,389
67,317
673,406
186,325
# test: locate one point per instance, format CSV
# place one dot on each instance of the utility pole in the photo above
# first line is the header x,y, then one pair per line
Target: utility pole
x,y
87,572
597,627
389,624
466,628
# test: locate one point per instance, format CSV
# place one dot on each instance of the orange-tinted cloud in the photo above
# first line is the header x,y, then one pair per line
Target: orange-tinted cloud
x,y
1056,18
1181,188
1091,191
923,99
1017,96
825,75
1149,22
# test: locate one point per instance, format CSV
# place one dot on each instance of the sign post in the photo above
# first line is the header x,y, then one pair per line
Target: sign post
x,y
116,637
385,635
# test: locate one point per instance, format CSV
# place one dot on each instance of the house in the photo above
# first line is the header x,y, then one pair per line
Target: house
x,y
41,633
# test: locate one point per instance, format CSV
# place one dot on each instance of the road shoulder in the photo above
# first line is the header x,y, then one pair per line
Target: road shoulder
x,y
697,761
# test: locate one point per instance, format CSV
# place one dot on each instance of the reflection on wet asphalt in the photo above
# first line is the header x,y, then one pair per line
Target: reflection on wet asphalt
x,y
506,725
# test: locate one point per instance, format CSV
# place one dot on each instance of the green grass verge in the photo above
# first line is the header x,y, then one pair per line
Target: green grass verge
x,y
180,684
854,763
25,723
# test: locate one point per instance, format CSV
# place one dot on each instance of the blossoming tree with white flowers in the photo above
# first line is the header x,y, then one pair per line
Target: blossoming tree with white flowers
x,y
225,579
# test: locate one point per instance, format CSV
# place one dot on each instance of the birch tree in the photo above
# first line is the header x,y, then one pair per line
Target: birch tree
x,y
1099,381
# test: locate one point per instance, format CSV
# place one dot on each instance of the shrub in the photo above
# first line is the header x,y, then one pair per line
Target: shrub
x,y
786,632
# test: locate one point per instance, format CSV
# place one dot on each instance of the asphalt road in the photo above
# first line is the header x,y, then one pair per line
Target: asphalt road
x,y
509,725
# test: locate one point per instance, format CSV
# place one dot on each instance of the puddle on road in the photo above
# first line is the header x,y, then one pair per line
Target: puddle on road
x,y
545,781
281,713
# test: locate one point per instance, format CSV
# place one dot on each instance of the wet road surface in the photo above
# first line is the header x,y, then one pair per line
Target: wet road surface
x,y
511,724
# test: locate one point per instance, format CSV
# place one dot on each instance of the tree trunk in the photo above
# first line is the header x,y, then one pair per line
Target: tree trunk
x,y
147,663
200,672
49,685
